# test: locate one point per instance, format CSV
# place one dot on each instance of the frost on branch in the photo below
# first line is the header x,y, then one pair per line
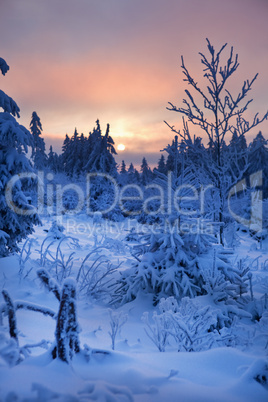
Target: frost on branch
x,y
8,104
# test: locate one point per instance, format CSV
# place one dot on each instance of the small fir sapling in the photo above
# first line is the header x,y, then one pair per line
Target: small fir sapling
x,y
56,230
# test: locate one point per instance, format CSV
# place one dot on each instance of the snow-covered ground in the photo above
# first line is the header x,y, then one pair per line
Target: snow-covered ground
x,y
135,370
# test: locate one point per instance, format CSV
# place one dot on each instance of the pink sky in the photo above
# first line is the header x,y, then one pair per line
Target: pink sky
x,y
119,61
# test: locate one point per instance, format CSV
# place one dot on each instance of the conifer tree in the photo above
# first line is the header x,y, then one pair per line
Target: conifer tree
x,y
162,165
38,153
53,161
123,168
101,158
146,173
17,217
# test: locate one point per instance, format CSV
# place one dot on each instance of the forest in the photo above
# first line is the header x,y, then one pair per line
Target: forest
x,y
123,283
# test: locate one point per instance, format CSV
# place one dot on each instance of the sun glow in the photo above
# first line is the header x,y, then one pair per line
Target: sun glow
x,y
121,147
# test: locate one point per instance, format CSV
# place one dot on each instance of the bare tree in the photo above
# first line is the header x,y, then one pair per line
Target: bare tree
x,y
218,115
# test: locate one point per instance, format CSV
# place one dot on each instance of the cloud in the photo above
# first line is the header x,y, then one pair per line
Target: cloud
x,y
119,61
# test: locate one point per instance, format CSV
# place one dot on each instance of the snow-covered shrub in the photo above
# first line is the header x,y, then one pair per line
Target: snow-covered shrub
x,y
117,320
117,246
171,263
56,230
194,327
94,275
198,325
58,262
9,351
165,268
191,326
159,332
224,281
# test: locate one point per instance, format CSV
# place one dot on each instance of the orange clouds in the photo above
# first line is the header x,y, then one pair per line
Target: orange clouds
x,y
119,61
92,82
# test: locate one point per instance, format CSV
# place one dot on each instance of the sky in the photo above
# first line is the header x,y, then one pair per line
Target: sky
x,y
119,61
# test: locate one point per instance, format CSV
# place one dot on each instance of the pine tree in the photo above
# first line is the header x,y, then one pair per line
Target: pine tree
x,y
71,156
123,177
238,153
101,158
146,173
175,159
38,152
123,168
17,219
162,165
53,161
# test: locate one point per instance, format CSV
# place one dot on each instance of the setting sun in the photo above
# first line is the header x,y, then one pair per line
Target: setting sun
x,y
121,147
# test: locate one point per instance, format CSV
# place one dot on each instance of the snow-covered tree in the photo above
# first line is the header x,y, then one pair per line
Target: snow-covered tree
x,y
17,217
133,176
53,161
71,157
123,178
218,115
66,151
38,152
123,168
161,167
258,159
101,158
146,173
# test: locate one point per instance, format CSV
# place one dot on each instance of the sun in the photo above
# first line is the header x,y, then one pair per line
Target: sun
x,y
121,147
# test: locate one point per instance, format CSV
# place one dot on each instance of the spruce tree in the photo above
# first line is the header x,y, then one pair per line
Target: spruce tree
x,y
162,165
146,173
101,158
123,168
38,152
17,217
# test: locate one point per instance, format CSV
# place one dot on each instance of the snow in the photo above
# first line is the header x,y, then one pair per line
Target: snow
x,y
135,370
